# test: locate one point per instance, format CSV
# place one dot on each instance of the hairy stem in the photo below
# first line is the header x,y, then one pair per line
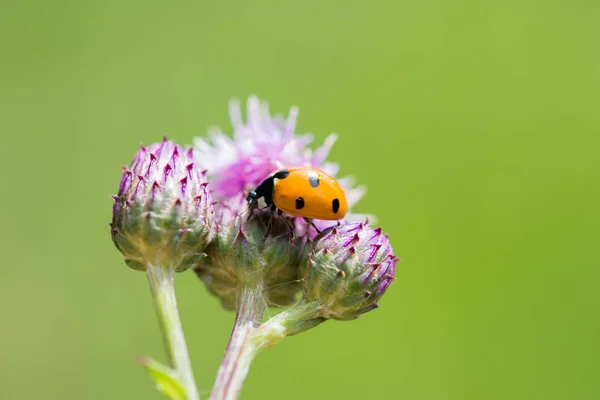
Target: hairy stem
x,y
243,345
300,317
162,281
249,337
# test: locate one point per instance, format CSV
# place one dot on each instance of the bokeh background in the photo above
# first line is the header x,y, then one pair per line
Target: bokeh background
x,y
475,125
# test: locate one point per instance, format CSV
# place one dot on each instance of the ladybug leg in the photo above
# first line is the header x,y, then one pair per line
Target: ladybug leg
x,y
250,214
288,223
309,221
270,224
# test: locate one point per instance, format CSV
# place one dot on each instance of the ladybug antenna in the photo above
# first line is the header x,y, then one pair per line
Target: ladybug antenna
x,y
245,210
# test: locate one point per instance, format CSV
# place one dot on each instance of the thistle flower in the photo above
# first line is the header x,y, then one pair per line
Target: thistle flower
x,y
258,148
163,213
241,255
347,270
165,220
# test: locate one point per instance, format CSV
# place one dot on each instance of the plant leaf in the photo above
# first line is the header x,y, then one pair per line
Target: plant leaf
x,y
165,378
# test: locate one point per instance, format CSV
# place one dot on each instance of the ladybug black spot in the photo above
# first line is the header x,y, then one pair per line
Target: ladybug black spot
x,y
284,173
299,203
335,205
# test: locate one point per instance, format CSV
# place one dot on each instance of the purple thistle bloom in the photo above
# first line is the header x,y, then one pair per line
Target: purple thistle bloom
x,y
261,146
163,213
347,270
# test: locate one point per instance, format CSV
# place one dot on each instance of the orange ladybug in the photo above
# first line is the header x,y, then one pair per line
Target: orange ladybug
x,y
305,192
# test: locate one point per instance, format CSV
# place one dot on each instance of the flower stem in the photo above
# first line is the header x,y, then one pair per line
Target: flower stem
x,y
300,317
162,281
249,337
243,345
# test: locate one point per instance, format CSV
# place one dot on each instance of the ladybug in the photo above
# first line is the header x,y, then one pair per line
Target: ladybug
x,y
305,192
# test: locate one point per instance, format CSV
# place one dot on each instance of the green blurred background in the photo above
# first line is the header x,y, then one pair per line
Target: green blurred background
x,y
475,125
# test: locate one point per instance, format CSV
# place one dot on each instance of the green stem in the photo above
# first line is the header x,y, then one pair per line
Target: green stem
x,y
300,317
248,337
162,281
242,346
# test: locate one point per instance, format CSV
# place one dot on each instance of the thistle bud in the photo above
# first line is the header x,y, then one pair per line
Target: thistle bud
x,y
163,213
242,256
347,270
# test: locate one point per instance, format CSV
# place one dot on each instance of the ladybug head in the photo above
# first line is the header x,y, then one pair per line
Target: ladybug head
x,y
252,199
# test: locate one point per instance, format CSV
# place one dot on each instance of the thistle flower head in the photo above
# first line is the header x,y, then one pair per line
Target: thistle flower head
x,y
258,148
163,213
242,255
347,270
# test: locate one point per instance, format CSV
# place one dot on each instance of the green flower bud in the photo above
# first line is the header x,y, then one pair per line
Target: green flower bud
x,y
242,256
347,270
163,213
